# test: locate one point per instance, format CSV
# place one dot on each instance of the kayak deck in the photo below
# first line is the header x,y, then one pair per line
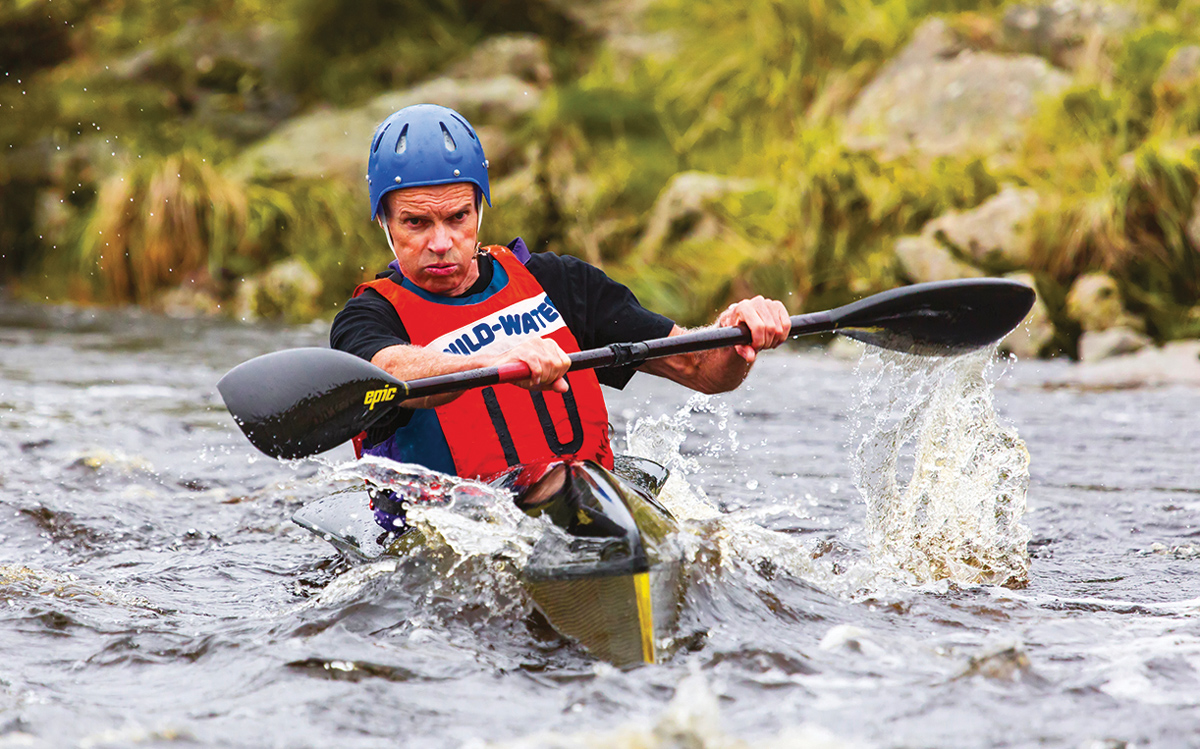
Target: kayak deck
x,y
604,574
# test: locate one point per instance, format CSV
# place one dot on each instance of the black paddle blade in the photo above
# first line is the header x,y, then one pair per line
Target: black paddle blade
x,y
299,402
942,318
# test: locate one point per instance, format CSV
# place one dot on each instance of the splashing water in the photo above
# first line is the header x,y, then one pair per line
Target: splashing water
x,y
472,537
661,440
690,719
732,545
958,516
472,518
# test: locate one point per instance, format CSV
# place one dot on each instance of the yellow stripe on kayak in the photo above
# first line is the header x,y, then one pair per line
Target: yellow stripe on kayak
x,y
645,607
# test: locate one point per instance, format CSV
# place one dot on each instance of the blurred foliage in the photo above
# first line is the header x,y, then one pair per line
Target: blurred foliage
x,y
346,50
118,119
177,218
161,221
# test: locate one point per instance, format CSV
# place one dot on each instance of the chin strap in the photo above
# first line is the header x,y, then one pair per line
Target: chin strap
x,y
387,233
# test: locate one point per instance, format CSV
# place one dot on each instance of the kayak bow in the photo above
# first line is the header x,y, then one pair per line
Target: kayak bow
x,y
603,572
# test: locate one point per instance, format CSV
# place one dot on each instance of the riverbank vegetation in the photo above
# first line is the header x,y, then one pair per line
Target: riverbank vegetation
x,y
699,150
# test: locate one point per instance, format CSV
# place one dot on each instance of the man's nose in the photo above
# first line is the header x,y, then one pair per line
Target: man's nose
x,y
441,241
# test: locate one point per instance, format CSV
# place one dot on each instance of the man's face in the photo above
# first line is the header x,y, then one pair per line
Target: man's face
x,y
434,233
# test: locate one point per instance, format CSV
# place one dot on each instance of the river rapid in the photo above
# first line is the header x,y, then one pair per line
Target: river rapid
x,y
153,591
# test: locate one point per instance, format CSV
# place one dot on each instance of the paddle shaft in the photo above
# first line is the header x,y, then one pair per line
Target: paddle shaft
x,y
300,402
613,355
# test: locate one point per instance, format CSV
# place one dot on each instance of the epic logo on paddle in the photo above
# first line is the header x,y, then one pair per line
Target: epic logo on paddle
x,y
381,395
503,330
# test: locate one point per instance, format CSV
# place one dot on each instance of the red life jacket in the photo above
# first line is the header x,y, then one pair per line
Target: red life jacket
x,y
490,429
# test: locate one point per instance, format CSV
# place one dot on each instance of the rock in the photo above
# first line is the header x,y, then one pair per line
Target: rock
x,y
933,40
218,55
935,100
997,233
1062,30
334,143
522,56
187,302
505,153
498,100
1180,73
922,258
52,216
288,290
1003,664
1176,363
681,211
1193,226
1094,301
847,637
197,296
1031,337
621,29
33,162
230,80
604,19
229,115
1095,345
520,211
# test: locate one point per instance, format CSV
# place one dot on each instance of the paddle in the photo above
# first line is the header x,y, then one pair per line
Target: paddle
x,y
300,402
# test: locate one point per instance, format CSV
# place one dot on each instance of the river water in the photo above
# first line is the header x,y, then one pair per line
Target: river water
x,y
153,591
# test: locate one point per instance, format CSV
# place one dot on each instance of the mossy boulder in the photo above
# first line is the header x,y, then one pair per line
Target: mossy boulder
x,y
1094,301
524,56
519,208
1095,345
52,216
682,211
1179,76
334,143
923,258
228,79
996,234
938,99
195,297
288,290
1065,31
1030,339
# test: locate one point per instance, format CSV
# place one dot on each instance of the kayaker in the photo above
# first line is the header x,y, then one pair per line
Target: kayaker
x,y
447,304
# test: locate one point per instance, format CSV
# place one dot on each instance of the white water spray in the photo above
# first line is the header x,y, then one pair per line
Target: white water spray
x,y
958,515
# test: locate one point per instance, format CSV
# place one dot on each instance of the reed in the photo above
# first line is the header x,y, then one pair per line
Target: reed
x,y
158,221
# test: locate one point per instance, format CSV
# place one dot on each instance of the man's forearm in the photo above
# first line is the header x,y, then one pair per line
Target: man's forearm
x,y
715,371
414,362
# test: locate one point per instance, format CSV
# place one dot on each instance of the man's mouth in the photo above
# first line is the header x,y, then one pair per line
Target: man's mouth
x,y
444,269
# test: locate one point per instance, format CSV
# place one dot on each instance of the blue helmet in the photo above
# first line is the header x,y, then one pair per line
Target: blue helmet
x,y
424,144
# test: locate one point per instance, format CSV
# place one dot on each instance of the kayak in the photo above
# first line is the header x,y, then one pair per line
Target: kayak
x,y
602,573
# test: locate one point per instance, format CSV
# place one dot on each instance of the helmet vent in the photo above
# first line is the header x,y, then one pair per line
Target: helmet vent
x,y
402,143
449,141
466,127
379,137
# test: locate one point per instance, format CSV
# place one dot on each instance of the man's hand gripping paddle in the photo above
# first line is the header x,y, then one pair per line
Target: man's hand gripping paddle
x,y
299,402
